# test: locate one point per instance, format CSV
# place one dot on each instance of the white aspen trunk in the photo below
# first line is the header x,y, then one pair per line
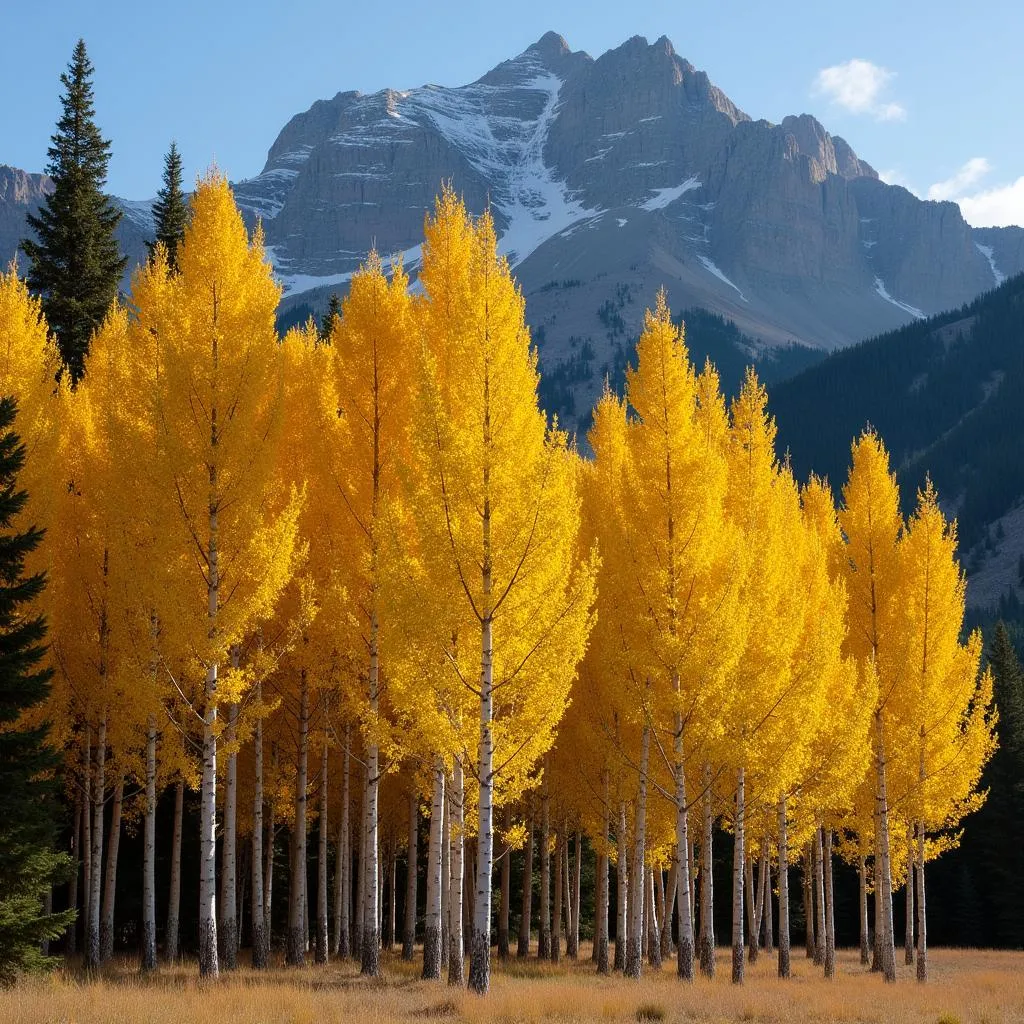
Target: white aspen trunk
x,y
784,945
321,951
922,932
392,895
260,939
370,946
227,931
70,935
446,872
343,873
883,880
480,939
526,907
752,907
691,878
268,870
506,891
830,919
149,853
601,927
862,884
634,943
577,880
908,891
556,903
457,869
296,948
738,859
87,795
757,902
819,899
92,945
768,927
544,936
110,876
468,881
808,872
412,866
432,916
653,923
621,892
669,904
707,883
172,938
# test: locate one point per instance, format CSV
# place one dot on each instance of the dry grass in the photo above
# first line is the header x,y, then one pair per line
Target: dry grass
x,y
967,987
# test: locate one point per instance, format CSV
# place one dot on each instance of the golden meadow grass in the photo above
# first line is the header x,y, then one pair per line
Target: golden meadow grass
x,y
967,987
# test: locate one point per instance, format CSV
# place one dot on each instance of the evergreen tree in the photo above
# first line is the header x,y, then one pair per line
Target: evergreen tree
x,y
333,313
170,211
29,864
75,261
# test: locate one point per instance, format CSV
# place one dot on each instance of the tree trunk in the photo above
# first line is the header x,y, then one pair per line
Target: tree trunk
x,y
830,918
110,878
819,899
228,930
669,907
343,870
707,883
446,874
752,908
268,874
621,892
653,923
71,936
544,937
432,921
922,932
883,879
784,947
556,904
370,960
634,944
409,929
577,879
92,945
908,892
321,952
260,944
738,859
808,874
172,947
457,867
768,928
149,853
526,908
296,948
862,879
601,927
87,814
506,891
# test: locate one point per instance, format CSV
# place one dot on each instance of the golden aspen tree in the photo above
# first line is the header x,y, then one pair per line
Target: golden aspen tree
x,y
499,511
373,373
944,698
871,523
218,412
682,559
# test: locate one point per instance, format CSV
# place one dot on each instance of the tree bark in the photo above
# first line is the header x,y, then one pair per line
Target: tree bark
x,y
92,945
669,905
228,930
577,879
883,879
784,947
506,891
544,937
71,936
260,943
526,908
456,951
370,960
819,899
268,874
343,870
321,952
808,874
922,932
634,943
87,797
172,946
830,919
432,922
862,880
601,927
738,859
446,873
653,922
621,892
768,929
707,883
409,929
556,903
110,878
296,947
908,892
753,905
149,853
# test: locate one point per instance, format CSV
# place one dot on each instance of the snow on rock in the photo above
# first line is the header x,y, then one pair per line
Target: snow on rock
x,y
916,313
139,211
663,196
712,268
986,250
295,283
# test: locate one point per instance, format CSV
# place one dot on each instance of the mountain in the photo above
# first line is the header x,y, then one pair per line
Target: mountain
x,y
945,395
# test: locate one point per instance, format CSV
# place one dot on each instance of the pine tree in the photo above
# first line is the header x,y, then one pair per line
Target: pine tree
x,y
170,211
29,865
76,264
331,317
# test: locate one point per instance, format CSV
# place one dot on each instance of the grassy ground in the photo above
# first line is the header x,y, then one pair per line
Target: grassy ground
x,y
967,987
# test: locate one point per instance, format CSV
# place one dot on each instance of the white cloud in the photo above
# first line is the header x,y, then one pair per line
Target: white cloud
x,y
970,174
894,176
995,207
858,86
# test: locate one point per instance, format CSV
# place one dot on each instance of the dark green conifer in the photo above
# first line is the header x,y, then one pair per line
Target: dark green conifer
x,y
75,261
170,211
333,312
29,862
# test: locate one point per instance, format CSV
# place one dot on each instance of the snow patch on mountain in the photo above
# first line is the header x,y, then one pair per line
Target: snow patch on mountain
x,y
986,250
916,313
713,268
663,196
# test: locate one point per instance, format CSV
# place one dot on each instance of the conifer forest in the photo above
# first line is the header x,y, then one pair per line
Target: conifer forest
x,y
328,657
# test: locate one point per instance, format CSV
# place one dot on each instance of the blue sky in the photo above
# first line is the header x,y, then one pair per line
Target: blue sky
x,y
925,91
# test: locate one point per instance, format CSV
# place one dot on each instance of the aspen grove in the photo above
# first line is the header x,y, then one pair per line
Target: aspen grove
x,y
354,589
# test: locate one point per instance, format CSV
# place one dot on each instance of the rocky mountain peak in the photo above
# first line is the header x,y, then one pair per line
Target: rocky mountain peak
x,y
550,46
